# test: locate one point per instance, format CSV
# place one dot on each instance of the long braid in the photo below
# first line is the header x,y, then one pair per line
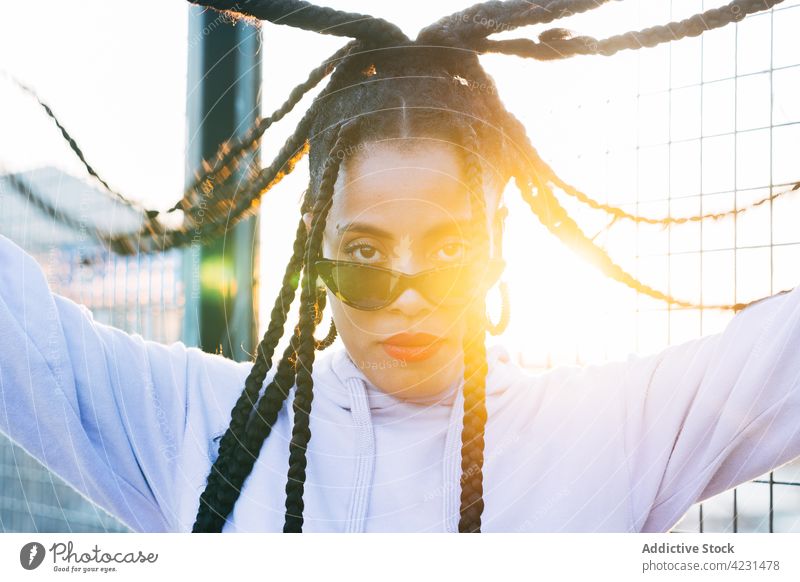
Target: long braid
x,y
465,27
532,174
560,48
263,363
226,483
215,171
265,351
236,203
618,213
475,365
243,452
230,154
213,203
295,147
217,219
228,486
301,432
306,16
541,199
545,205
72,144
208,516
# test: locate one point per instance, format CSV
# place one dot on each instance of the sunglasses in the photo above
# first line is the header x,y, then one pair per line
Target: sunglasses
x,y
370,288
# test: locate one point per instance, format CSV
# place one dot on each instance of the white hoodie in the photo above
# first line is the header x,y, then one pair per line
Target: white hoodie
x,y
623,446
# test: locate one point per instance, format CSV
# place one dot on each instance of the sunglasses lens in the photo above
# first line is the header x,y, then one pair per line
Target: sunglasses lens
x,y
359,286
458,285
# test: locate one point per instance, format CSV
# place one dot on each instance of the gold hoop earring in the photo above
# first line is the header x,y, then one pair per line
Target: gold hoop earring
x,y
327,340
505,313
321,344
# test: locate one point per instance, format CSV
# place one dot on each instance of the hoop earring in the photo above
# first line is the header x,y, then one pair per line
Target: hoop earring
x,y
325,342
505,314
328,339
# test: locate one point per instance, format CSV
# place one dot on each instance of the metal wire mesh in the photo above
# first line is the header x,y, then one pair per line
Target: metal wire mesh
x,y
706,124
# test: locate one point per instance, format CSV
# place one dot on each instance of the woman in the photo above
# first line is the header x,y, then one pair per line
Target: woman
x,y
415,427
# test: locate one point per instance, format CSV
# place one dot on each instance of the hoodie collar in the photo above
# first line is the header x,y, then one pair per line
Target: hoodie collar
x,y
343,370
349,388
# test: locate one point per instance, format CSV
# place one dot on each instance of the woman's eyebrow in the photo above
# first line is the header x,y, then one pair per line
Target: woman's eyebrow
x,y
365,228
460,227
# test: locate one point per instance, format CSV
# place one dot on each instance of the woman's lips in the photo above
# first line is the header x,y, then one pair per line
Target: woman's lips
x,y
412,347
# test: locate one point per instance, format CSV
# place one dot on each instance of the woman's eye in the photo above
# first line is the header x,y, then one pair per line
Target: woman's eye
x,y
364,253
451,252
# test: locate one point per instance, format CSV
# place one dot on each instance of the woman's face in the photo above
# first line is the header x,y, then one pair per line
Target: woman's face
x,y
406,210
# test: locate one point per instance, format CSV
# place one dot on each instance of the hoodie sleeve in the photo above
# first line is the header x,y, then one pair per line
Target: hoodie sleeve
x,y
104,410
706,415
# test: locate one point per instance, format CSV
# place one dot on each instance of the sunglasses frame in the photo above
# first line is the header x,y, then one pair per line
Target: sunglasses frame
x,y
405,280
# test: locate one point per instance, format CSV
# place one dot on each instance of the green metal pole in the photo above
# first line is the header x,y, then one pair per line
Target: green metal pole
x,y
223,101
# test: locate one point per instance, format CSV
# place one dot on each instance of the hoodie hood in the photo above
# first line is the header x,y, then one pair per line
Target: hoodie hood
x,y
348,387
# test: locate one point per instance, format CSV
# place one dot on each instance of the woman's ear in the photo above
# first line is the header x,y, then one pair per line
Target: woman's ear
x,y
307,218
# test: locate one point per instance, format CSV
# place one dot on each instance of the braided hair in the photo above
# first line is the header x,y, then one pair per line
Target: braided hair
x,y
215,201
385,86
407,92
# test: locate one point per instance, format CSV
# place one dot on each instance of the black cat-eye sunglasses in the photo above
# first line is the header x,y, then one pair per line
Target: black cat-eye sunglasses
x,y
370,288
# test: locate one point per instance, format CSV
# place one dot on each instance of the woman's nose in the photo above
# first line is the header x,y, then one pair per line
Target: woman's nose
x,y
410,303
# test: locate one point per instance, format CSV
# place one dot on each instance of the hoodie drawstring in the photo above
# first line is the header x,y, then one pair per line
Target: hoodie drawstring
x,y
357,395
365,463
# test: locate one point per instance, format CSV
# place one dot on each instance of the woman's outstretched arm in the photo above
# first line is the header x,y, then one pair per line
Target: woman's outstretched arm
x,y
110,413
704,416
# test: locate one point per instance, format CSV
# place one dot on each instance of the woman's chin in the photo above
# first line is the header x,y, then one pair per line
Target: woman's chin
x,y
412,379
419,392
